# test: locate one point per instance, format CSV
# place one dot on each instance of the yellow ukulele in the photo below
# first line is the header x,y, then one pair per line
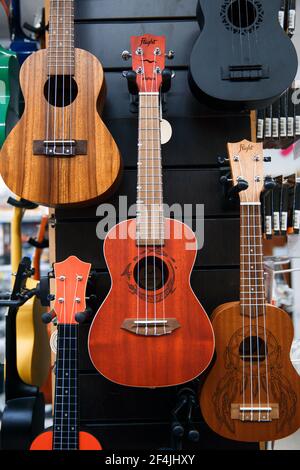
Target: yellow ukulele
x,y
33,351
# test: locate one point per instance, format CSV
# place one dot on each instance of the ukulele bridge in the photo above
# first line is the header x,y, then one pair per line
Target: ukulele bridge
x,y
153,327
60,148
245,73
264,413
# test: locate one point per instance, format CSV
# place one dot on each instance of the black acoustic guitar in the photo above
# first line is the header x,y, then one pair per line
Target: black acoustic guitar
x,y
243,58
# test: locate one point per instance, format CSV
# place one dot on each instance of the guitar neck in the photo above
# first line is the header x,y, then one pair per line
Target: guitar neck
x,y
61,50
65,427
150,214
252,286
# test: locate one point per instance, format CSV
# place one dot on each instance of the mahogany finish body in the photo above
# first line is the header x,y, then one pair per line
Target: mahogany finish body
x,y
223,384
150,361
45,441
58,181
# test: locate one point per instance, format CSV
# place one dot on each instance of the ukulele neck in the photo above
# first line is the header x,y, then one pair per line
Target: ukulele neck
x,y
252,286
65,427
150,213
61,50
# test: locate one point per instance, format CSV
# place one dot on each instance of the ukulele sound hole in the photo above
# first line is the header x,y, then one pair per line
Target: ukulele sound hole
x,y
151,273
252,347
242,14
60,90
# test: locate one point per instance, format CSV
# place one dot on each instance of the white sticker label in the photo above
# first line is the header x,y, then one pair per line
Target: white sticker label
x,y
283,127
268,225
268,129
275,127
284,218
281,18
297,220
276,219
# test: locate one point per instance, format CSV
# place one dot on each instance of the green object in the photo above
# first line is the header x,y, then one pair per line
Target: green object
x,y
9,92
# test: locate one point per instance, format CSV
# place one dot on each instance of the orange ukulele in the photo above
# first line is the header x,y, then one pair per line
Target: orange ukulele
x,y
151,330
61,153
252,392
71,278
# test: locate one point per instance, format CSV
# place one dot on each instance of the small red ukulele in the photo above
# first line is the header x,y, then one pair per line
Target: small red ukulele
x,y
71,278
151,331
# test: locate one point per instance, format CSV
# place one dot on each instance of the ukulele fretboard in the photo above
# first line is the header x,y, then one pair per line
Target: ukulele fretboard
x,y
65,428
252,286
61,51
150,213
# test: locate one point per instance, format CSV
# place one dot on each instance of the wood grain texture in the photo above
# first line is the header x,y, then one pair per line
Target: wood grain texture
x,y
152,361
56,181
45,442
224,383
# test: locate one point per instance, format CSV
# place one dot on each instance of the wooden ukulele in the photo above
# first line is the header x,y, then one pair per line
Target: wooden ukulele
x,y
71,278
252,392
151,330
61,153
243,58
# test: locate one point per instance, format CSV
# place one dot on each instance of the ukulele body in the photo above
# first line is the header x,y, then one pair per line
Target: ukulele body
x,y
61,180
131,356
224,384
222,44
45,442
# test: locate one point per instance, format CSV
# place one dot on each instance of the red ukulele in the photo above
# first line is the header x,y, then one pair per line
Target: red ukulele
x,y
151,330
71,278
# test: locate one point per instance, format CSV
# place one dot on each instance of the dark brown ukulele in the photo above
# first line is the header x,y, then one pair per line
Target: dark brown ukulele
x,y
61,153
252,392
151,331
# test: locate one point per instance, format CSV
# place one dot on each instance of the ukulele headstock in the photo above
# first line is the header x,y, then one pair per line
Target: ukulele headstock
x,y
71,277
247,165
148,61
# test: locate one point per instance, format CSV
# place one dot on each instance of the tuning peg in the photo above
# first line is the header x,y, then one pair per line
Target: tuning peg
x,y
222,160
126,55
225,180
242,184
267,159
170,55
48,317
83,317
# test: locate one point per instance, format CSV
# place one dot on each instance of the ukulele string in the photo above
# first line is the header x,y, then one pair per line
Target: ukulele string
x,y
246,286
49,75
257,295
146,197
232,35
248,30
61,388
161,218
240,32
250,312
71,47
153,208
63,75
56,72
73,370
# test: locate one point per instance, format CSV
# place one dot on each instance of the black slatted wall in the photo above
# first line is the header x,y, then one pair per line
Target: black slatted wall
x,y
125,418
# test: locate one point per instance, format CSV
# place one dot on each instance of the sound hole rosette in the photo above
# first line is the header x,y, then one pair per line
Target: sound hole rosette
x,y
242,16
233,356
